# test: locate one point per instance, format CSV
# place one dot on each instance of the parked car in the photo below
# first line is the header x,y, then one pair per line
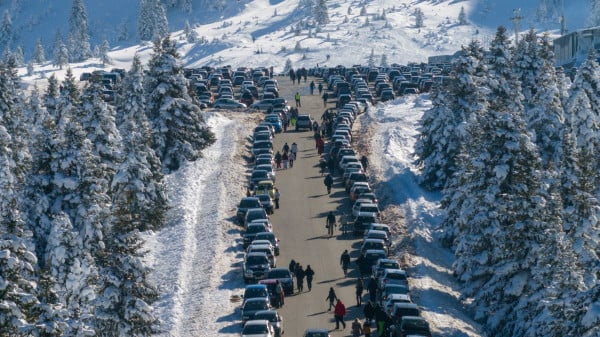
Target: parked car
x,y
245,204
228,103
268,168
274,318
393,276
404,309
267,249
256,291
254,214
275,121
262,145
361,221
255,267
266,202
383,264
258,328
270,236
372,244
304,122
251,231
388,304
285,277
380,235
390,289
413,326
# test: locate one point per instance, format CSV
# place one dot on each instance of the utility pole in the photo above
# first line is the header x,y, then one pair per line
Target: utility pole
x,y
516,19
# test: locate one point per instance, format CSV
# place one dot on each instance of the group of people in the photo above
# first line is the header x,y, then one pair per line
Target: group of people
x,y
298,74
286,156
300,273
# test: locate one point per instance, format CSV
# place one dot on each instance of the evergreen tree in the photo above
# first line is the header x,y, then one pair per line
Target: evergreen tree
x,y
6,30
179,129
320,12
123,31
287,66
139,173
462,16
152,20
190,34
19,56
419,17
103,53
371,60
79,39
363,10
528,62
187,6
61,56
39,55
384,62
546,116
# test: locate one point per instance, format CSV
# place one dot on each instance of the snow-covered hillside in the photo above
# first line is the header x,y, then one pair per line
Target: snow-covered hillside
x,y
283,29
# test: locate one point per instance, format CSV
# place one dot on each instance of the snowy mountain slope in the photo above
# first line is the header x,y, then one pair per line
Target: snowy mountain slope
x,y
229,33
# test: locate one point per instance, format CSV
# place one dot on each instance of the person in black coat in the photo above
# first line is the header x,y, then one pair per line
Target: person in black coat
x,y
369,311
309,276
359,291
372,286
300,274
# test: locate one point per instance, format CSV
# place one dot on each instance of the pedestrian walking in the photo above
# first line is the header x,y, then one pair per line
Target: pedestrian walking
x,y
320,87
293,121
322,166
331,165
372,287
278,159
292,266
339,312
312,87
369,312
279,294
285,158
300,277
321,147
345,262
328,181
325,98
330,224
276,197
292,157
381,318
297,98
356,327
331,297
286,148
359,291
309,276
294,149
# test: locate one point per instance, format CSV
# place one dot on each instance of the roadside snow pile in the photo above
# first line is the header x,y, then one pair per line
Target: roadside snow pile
x,y
432,285
196,251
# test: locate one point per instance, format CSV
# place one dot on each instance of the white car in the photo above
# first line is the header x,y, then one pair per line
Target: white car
x,y
258,328
228,103
393,276
388,304
364,205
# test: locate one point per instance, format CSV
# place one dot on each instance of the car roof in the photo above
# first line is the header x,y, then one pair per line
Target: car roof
x,y
406,305
257,299
373,240
266,312
280,268
257,254
394,271
387,260
256,286
375,231
375,251
369,204
398,296
257,322
250,198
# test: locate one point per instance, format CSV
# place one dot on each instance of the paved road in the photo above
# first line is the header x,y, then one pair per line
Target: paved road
x,y
300,225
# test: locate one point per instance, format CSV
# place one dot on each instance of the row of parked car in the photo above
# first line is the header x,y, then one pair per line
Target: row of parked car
x,y
260,271
373,260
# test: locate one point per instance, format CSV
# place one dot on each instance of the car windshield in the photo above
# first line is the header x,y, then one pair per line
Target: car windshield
x,y
389,265
372,209
317,334
269,316
255,329
264,198
279,274
249,203
260,174
255,292
303,118
396,276
257,259
266,236
262,145
255,305
414,324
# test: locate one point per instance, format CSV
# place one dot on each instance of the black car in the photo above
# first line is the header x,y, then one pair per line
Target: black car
x,y
360,222
255,267
245,204
270,236
251,231
285,277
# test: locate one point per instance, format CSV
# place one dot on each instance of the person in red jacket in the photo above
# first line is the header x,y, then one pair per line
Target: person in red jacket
x,y
339,312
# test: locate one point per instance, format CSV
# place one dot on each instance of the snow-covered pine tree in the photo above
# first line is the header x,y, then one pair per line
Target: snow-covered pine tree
x,y
371,60
363,10
145,23
19,56
123,31
103,53
160,16
462,16
527,63
180,132
60,56
139,172
190,34
349,12
187,6
79,39
545,116
384,62
6,31
288,66
39,55
320,12
455,164
123,306
419,17
18,296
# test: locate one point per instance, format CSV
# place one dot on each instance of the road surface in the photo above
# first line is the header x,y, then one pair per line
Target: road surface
x,y
300,225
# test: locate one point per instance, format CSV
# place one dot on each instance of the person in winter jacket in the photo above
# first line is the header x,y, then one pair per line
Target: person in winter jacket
x,y
328,181
292,157
309,276
381,318
278,159
331,297
359,291
372,286
345,262
320,87
356,328
300,277
292,266
276,197
294,148
339,312
286,148
285,158
369,311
